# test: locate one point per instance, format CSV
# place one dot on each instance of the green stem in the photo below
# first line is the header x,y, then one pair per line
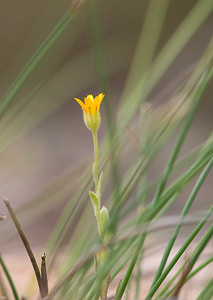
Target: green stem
x,y
101,255
98,218
95,164
95,177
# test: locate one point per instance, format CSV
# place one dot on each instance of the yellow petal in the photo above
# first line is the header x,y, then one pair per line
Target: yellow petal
x,y
98,100
80,102
89,100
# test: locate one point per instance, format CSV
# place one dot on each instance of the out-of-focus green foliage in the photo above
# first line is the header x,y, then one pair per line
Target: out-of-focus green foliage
x,y
134,53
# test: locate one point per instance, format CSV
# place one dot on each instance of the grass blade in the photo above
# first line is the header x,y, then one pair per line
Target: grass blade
x,y
34,61
9,279
182,215
179,254
198,94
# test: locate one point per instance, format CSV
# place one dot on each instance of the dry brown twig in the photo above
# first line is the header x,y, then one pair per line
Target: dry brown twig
x,y
41,277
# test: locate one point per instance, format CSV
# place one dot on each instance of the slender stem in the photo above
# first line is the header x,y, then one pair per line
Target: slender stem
x,y
100,258
95,165
95,177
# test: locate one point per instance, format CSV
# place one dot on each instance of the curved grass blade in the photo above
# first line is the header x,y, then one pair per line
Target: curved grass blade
x,y
9,279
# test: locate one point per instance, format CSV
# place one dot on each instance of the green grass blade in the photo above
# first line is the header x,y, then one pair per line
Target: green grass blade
x,y
198,94
198,14
179,185
199,268
169,283
202,244
138,278
182,215
189,26
9,279
146,46
124,258
179,254
65,221
130,268
207,292
35,60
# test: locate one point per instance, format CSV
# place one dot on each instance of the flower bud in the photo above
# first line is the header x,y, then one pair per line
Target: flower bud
x,y
91,114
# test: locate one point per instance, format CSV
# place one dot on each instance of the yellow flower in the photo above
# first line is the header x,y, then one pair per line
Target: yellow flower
x,y
91,104
91,107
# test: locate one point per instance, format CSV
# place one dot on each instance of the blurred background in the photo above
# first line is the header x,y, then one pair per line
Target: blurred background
x,y
44,144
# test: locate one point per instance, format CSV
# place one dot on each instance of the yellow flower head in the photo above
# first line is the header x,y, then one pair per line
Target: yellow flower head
x,y
91,107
